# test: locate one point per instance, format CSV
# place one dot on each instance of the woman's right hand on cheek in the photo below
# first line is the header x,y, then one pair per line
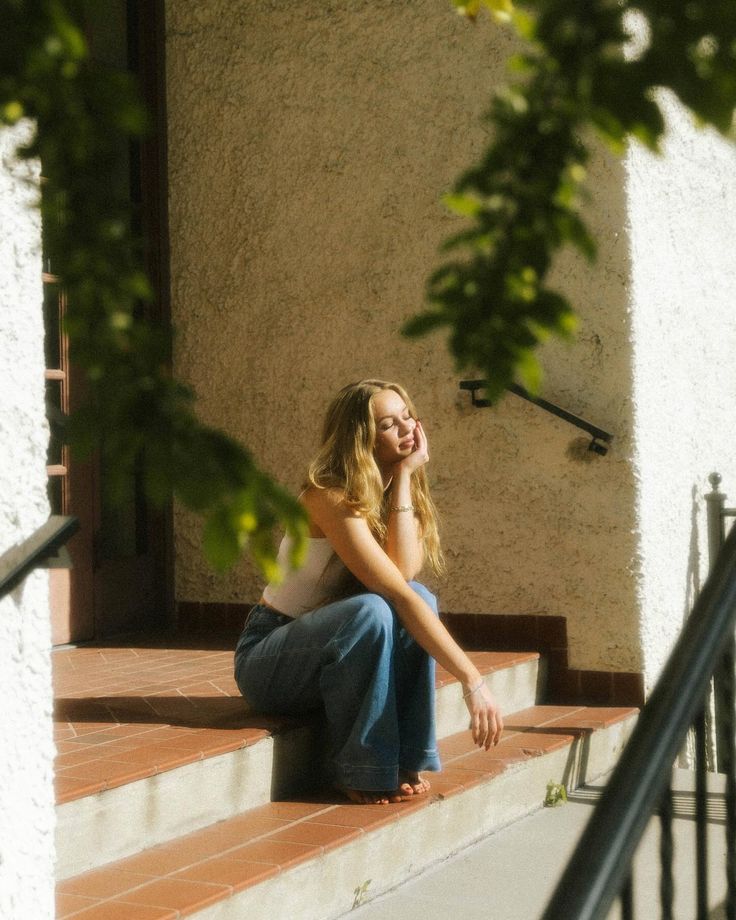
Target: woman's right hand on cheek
x,y
486,721
420,455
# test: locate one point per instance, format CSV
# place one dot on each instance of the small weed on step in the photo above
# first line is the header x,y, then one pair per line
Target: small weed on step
x,y
556,794
360,893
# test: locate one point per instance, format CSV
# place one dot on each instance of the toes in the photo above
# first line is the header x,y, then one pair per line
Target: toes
x,y
406,790
361,797
415,782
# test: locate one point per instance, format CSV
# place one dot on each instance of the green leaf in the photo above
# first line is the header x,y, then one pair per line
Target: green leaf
x,y
462,205
469,8
524,24
220,542
500,9
12,111
67,36
264,552
529,371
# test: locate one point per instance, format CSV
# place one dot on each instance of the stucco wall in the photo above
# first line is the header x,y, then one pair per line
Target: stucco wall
x,y
26,778
682,215
309,145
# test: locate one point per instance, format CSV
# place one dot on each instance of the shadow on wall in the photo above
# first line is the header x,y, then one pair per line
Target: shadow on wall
x,y
692,576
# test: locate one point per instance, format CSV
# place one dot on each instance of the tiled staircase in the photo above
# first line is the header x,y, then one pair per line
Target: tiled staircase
x,y
174,801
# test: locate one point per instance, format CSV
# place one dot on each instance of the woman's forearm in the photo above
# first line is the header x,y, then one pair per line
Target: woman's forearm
x,y
486,720
433,637
403,538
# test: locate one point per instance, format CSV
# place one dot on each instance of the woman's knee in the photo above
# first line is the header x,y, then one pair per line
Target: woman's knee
x,y
425,594
373,615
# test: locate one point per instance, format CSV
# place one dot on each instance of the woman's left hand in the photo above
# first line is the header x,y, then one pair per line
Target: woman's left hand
x,y
420,455
486,721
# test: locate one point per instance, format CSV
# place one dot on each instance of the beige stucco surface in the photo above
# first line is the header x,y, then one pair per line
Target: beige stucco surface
x,y
682,216
309,145
26,777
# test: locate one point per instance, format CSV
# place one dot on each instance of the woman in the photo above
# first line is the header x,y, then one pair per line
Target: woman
x,y
351,631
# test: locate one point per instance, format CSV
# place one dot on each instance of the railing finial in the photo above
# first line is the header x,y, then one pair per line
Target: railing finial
x,y
715,480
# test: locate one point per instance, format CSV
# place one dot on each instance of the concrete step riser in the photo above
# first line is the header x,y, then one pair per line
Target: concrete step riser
x,y
109,825
515,688
325,888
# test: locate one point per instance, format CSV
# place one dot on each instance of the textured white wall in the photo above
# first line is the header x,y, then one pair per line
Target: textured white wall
x,y
682,220
26,773
309,145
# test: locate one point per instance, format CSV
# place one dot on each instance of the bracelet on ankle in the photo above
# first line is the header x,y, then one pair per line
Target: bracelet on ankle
x,y
402,508
474,689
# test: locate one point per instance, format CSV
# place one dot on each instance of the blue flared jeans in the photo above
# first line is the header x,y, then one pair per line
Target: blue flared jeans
x,y
354,659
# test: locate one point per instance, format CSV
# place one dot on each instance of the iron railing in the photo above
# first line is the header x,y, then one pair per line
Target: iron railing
x,y
600,869
601,440
41,549
718,514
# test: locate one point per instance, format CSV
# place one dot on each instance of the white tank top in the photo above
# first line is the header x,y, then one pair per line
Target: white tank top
x,y
314,584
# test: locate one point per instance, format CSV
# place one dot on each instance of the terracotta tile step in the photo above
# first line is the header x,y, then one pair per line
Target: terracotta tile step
x,y
307,858
110,732
131,764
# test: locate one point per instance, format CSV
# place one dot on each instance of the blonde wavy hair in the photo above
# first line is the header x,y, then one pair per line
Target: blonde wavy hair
x,y
345,460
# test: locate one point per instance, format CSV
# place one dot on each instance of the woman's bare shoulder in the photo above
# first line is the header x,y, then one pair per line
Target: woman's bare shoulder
x,y
325,508
328,505
317,500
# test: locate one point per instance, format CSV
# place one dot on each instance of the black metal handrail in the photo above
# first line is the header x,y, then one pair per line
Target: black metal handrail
x,y
42,546
601,440
600,867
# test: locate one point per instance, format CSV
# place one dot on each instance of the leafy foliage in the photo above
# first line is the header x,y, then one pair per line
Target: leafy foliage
x,y
137,413
522,202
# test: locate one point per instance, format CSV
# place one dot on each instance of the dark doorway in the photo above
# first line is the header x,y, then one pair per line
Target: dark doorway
x,y
120,579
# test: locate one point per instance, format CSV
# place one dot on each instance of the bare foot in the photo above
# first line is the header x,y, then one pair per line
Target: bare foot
x,y
413,783
368,797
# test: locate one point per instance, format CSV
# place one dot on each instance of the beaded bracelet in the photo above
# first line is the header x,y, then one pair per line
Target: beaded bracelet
x,y
402,508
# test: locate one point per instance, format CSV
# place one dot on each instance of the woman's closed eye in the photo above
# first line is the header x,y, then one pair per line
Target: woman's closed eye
x,y
387,426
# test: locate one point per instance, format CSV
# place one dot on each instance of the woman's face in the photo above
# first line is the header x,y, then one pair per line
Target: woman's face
x,y
394,428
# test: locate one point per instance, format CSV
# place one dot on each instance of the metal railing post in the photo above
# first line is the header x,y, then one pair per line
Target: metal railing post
x,y
601,861
715,504
717,514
